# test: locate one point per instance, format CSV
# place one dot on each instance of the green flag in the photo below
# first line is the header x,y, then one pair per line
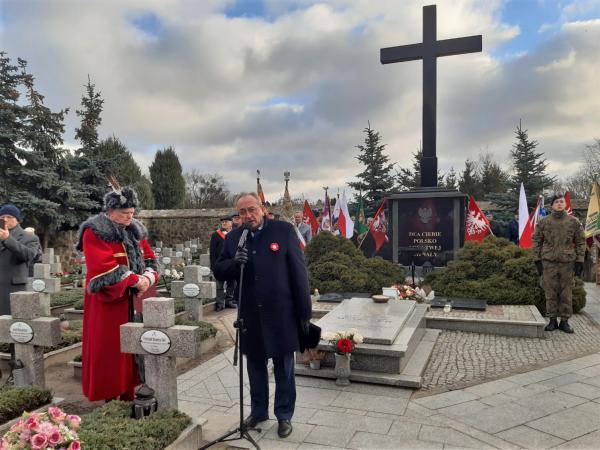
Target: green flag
x,y
360,224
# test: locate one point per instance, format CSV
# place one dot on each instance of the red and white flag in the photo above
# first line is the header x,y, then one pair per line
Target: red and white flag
x,y
345,223
477,225
300,238
526,238
568,202
378,227
308,217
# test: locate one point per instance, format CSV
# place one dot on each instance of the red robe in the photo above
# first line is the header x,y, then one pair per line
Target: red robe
x,y
106,372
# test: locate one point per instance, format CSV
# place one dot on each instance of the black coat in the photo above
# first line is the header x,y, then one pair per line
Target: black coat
x,y
216,245
275,290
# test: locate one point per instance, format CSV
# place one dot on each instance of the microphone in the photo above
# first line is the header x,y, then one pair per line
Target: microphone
x,y
244,236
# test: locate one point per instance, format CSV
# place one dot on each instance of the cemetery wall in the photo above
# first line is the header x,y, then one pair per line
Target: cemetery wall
x,y
174,226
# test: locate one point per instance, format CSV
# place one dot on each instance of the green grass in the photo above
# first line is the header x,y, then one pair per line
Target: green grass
x,y
14,401
110,427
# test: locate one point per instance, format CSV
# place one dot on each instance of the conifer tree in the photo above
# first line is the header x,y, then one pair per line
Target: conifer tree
x,y
470,182
48,193
450,181
376,180
168,184
86,162
12,122
529,168
121,164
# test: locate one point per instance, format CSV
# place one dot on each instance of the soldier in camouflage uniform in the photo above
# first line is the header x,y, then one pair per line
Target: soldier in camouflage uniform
x,y
559,248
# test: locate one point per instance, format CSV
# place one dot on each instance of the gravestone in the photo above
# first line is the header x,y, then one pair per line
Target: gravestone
x,y
194,288
377,323
396,345
205,260
42,280
179,247
426,226
48,256
161,342
459,303
30,328
56,267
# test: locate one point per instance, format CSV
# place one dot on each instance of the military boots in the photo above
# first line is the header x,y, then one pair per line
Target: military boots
x,y
564,326
552,325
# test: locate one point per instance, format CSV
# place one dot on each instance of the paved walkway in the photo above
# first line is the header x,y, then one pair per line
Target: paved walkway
x,y
556,406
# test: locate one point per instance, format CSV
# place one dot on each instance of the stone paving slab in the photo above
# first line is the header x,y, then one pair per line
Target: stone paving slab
x,y
530,438
556,405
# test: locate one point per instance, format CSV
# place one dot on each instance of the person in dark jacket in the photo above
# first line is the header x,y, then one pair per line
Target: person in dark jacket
x,y
275,305
18,251
513,230
224,288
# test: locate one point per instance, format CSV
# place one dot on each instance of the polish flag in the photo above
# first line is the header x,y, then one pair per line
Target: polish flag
x,y
300,238
345,223
523,211
526,239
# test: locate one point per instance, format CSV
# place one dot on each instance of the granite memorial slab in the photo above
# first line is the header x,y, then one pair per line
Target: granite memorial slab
x,y
460,303
378,323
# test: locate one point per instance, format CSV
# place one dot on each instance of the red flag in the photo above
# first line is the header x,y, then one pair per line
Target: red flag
x,y
568,202
309,218
378,227
477,225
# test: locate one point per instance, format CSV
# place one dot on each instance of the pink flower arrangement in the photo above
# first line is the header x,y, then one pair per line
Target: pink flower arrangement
x,y
406,292
43,431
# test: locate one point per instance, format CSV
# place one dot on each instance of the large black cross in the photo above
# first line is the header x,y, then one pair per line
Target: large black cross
x,y
429,50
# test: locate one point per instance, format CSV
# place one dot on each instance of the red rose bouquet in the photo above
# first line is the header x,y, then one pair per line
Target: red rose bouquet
x,y
344,341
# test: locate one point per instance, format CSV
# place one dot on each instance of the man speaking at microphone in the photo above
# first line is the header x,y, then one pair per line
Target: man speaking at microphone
x,y
275,305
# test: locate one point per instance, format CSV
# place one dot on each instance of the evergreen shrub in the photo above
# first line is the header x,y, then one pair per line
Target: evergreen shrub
x,y
498,271
336,265
14,401
70,297
111,427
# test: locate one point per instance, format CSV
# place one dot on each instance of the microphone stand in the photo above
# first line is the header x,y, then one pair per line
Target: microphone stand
x,y
242,431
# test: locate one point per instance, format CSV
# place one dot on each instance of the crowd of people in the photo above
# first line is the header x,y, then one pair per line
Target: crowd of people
x,y
275,299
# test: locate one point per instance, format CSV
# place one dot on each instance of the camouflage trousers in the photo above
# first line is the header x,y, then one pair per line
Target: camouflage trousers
x,y
557,282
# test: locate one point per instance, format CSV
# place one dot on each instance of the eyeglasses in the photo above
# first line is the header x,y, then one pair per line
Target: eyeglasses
x,y
246,211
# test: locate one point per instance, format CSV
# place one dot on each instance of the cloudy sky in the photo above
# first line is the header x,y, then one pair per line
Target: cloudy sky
x,y
236,85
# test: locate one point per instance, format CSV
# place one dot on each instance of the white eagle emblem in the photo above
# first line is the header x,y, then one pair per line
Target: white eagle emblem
x,y
425,214
476,224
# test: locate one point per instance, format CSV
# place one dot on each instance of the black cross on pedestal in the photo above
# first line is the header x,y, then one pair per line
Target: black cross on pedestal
x,y
429,50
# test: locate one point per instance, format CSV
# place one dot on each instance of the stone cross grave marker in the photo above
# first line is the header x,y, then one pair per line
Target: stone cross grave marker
x,y
205,259
30,328
161,342
42,281
194,288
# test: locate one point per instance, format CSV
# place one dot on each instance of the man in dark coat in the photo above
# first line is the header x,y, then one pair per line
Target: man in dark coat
x,y
275,305
224,288
18,250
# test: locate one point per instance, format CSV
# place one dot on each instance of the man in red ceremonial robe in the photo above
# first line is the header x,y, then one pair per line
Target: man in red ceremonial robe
x,y
120,265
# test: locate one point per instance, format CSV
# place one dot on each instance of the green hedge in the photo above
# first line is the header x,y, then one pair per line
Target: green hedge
x,y
69,337
16,400
336,265
69,297
497,271
111,427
